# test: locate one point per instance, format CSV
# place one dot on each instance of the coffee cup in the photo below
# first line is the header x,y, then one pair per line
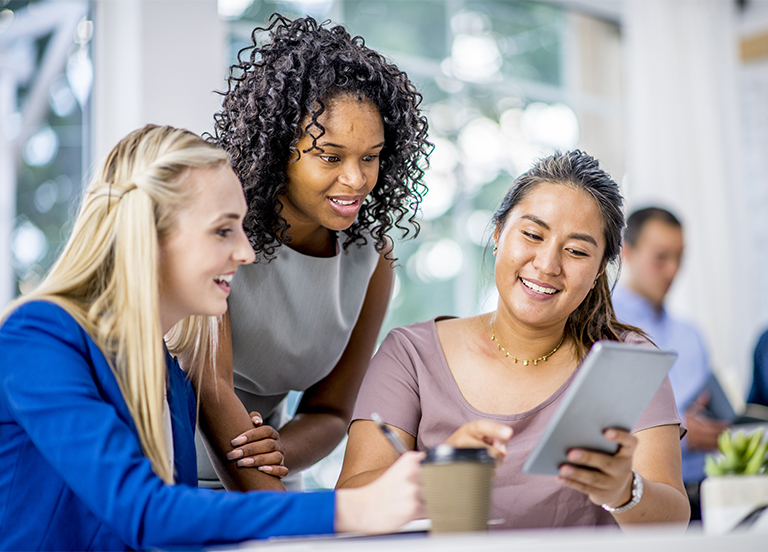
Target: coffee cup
x,y
457,488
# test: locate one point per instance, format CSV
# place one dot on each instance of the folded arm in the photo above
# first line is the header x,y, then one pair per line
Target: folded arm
x,y
325,409
223,417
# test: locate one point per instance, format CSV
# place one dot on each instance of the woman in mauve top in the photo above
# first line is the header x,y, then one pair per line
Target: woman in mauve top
x,y
494,380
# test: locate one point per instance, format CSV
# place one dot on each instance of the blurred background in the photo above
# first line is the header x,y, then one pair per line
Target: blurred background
x,y
671,96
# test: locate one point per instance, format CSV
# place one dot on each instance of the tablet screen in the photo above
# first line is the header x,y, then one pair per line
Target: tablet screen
x,y
612,389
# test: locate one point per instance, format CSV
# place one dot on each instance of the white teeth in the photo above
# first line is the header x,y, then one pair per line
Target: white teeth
x,y
538,289
224,278
342,202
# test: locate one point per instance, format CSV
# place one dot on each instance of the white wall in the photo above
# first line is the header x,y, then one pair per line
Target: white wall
x,y
155,61
753,101
684,153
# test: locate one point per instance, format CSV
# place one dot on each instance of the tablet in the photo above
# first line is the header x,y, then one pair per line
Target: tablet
x,y
718,407
613,387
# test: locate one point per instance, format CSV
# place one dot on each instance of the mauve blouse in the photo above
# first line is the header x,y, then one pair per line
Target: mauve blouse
x,y
411,386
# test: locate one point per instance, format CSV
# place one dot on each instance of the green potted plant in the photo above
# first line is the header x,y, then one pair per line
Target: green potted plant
x,y
735,492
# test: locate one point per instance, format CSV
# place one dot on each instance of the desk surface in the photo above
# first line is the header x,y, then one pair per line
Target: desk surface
x,y
573,540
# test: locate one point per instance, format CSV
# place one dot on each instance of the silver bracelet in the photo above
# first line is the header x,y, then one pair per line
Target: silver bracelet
x,y
637,494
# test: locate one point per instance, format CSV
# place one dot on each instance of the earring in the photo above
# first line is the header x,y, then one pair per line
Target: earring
x,y
495,250
594,283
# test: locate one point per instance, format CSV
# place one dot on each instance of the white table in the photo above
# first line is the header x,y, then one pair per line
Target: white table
x,y
656,539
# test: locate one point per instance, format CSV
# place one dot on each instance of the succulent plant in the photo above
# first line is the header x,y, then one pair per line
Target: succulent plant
x,y
740,454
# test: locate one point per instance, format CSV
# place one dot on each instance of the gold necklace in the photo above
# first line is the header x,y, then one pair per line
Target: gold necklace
x,y
525,362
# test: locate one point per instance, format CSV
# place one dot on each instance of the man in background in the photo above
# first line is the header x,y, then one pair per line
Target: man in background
x,y
652,252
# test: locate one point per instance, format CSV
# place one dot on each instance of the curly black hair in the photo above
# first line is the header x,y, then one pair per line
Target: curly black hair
x,y
277,91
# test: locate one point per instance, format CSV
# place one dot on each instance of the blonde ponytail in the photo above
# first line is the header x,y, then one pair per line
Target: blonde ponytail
x,y
107,276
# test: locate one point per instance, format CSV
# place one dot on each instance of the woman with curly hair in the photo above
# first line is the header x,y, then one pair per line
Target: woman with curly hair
x,y
329,144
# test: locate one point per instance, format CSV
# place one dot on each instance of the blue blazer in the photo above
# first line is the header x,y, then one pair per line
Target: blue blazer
x,y
759,392
72,472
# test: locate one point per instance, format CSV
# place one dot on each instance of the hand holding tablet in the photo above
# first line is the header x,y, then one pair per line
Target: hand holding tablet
x,y
613,387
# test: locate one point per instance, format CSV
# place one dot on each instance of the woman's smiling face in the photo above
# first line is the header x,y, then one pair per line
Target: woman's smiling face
x,y
206,244
328,184
550,250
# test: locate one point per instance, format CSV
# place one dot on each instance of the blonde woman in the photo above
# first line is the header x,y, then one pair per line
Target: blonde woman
x,y
96,417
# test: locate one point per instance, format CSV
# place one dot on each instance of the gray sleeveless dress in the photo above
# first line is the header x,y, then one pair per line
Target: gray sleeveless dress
x,y
291,321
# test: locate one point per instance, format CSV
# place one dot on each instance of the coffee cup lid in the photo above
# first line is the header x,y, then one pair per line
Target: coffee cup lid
x,y
447,453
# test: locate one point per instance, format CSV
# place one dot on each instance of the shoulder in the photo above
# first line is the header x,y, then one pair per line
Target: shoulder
x,y
43,337
687,334
406,355
626,302
683,324
408,341
417,333
382,262
44,330
634,338
41,317
415,344
361,253
620,294
39,308
762,343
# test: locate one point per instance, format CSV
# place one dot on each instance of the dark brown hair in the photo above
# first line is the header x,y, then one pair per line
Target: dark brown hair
x,y
638,219
594,319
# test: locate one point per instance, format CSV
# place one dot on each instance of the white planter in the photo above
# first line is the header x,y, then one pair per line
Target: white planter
x,y
728,499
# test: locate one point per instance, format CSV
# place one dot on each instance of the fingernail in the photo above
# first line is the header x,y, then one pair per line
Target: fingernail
x,y
610,434
574,455
234,454
239,440
265,469
245,462
256,420
566,470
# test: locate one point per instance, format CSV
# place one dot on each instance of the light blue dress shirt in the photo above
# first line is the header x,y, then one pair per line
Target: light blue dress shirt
x,y
689,372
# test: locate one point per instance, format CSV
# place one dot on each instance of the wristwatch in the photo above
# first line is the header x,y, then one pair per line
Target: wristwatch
x,y
637,494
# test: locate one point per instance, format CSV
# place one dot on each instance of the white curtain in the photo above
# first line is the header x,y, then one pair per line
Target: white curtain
x,y
683,154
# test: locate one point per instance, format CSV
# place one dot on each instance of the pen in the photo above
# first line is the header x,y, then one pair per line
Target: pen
x,y
389,434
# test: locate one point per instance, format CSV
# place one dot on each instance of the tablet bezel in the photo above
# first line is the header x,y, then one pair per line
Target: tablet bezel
x,y
612,389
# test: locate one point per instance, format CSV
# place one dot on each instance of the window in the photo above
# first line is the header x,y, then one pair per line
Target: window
x,y
47,69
